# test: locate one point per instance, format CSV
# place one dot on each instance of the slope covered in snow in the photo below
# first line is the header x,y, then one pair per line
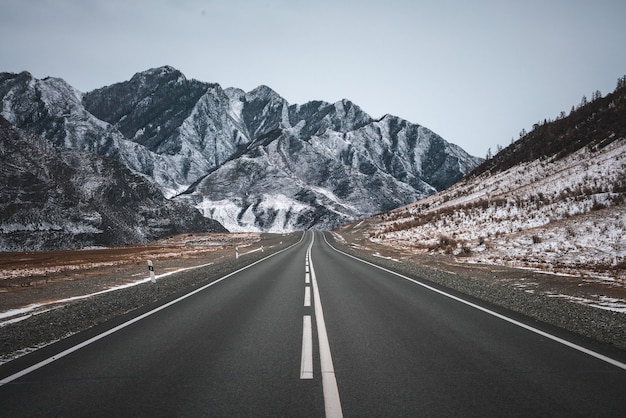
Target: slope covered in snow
x,y
563,216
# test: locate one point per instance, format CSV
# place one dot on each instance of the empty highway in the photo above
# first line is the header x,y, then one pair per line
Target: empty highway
x,y
311,331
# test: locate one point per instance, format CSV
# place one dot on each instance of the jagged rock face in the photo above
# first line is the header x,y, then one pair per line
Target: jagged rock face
x,y
54,198
250,160
290,183
149,108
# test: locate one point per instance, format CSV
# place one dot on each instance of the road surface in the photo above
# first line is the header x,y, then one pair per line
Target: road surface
x,y
313,332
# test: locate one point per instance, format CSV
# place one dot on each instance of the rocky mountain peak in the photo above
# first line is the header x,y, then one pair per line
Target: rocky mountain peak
x,y
159,75
250,160
148,108
263,93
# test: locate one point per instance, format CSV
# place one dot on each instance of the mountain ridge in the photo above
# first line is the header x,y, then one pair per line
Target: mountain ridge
x,y
178,132
60,198
596,122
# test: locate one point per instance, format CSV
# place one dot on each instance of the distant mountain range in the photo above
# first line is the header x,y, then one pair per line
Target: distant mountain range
x,y
250,161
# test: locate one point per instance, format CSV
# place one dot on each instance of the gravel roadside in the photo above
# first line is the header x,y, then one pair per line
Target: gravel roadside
x,y
61,321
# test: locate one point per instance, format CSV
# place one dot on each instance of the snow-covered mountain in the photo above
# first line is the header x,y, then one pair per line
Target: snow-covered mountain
x,y
53,109
554,200
250,160
285,182
58,198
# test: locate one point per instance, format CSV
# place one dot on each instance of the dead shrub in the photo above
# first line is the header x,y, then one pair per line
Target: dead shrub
x,y
445,241
598,205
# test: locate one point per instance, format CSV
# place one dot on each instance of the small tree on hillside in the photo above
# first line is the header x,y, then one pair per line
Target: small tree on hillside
x,y
596,95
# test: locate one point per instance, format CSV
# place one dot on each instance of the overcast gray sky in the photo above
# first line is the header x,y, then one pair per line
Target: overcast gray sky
x,y
476,72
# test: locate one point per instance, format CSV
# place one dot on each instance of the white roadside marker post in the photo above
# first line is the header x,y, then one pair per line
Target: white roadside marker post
x,y
236,253
151,270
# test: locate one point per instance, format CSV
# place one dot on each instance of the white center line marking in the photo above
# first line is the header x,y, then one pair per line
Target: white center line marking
x,y
307,278
332,403
306,364
307,296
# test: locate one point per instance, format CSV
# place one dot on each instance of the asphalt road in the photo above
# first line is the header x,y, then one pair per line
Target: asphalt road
x,y
313,332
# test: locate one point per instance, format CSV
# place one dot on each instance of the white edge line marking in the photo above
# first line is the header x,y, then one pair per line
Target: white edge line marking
x,y
85,343
497,315
307,296
332,402
306,364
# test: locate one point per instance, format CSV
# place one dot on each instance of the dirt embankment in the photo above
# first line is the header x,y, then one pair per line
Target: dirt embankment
x,y
34,305
39,277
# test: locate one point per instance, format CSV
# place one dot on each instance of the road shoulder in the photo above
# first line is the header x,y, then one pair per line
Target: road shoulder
x,y
493,285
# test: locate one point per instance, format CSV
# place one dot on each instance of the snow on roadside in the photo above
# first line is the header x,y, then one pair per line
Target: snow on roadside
x,y
175,247
16,315
600,302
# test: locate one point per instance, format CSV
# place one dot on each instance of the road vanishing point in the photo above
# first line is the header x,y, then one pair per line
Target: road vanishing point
x,y
310,331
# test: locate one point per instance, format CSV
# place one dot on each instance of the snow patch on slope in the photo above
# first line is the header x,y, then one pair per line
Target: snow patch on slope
x,y
282,210
562,215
